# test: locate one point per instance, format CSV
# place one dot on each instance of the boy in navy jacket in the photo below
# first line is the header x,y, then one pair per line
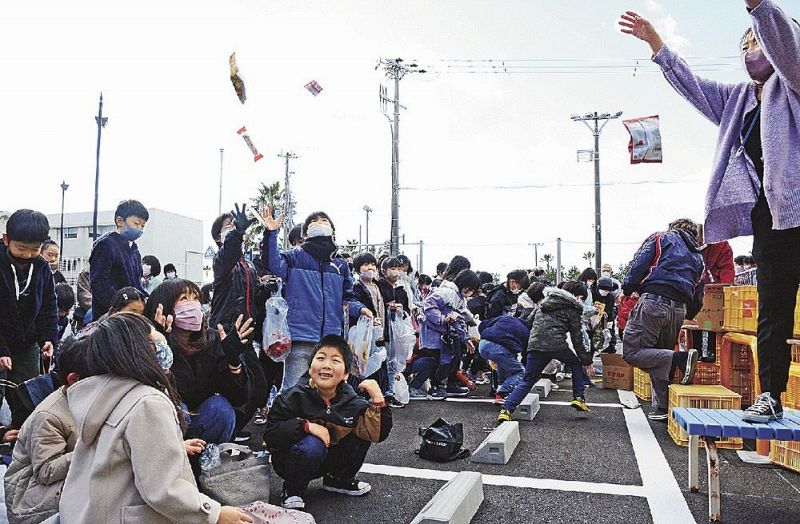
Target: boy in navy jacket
x,y
28,310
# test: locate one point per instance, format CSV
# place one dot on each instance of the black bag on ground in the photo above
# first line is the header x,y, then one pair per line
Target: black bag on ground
x,y
442,441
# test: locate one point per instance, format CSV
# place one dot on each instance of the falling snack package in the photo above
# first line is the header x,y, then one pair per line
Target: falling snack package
x,y
256,155
645,143
236,80
313,87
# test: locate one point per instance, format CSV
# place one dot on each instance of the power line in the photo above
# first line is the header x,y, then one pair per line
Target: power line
x,y
546,186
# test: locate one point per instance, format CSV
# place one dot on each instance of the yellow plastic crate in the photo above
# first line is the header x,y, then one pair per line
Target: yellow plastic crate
x,y
641,384
710,397
791,397
741,310
786,454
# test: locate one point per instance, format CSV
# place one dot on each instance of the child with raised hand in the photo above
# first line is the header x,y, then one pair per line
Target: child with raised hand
x,y
558,317
322,428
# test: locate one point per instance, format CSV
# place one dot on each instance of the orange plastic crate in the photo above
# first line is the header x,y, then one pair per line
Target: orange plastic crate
x,y
791,397
698,396
708,373
786,454
739,366
794,345
641,384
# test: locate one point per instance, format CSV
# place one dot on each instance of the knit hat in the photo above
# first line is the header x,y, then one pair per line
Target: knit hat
x,y
605,283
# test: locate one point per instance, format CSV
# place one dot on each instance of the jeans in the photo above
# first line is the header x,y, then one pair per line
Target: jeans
x,y
308,459
422,368
649,342
537,361
296,363
214,420
509,370
25,366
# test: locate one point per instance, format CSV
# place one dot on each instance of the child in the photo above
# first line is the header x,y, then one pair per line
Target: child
x,y
115,261
51,253
558,316
44,446
322,428
28,308
65,298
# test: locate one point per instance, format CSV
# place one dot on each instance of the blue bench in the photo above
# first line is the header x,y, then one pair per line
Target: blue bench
x,y
711,424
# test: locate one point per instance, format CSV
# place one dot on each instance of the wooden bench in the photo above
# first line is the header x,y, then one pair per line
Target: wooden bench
x,y
711,424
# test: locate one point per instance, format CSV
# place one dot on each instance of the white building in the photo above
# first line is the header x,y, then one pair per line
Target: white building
x,y
169,237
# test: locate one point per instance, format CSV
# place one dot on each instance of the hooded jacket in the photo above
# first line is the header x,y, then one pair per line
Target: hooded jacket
x,y
510,332
346,413
235,281
559,314
441,302
114,264
129,464
17,333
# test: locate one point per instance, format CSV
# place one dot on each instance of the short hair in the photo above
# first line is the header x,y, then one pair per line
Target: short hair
x,y
345,254
124,297
739,260
363,259
485,277
216,226
520,276
423,280
685,224
206,291
131,208
153,262
536,291
467,279
27,225
537,272
404,260
390,263
578,289
339,343
748,259
65,296
314,216
71,357
440,267
456,266
588,274
296,234
170,267
50,242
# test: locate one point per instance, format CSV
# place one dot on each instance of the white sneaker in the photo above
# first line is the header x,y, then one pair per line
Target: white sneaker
x,y
294,502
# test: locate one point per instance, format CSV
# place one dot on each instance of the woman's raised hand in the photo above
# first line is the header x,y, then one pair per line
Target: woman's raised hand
x,y
273,224
161,320
634,24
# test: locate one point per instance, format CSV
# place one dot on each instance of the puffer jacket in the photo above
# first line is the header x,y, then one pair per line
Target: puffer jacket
x,y
441,302
558,315
315,291
510,332
235,281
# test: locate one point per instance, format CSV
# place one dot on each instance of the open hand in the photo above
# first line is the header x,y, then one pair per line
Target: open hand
x,y
5,364
231,515
194,446
47,350
273,224
161,320
243,330
634,24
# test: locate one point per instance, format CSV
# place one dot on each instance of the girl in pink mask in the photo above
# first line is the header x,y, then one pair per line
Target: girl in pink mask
x,y
207,368
754,187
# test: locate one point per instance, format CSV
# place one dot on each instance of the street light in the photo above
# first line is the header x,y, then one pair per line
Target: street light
x,y
101,123
368,211
64,187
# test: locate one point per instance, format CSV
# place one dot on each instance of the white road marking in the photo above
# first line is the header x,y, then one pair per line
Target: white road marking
x,y
543,402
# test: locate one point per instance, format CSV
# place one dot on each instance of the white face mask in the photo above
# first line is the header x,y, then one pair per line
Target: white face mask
x,y
171,274
604,292
607,274
369,275
319,230
223,235
146,270
393,274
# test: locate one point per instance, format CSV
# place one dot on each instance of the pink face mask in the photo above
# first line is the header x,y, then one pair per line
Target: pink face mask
x,y
188,315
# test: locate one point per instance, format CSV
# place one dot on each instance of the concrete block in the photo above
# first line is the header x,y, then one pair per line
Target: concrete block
x,y
498,447
456,502
543,387
529,407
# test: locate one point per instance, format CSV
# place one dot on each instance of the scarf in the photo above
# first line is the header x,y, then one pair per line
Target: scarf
x,y
321,248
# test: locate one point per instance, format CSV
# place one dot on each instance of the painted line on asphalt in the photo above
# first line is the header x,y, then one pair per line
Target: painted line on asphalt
x,y
664,496
543,402
508,481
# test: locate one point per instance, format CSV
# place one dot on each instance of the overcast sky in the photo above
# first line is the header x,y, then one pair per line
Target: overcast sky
x,y
163,69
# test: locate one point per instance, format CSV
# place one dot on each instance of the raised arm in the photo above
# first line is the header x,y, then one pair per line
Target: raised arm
x,y
779,38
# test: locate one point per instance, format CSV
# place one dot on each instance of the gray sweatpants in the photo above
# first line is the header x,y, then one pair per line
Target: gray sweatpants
x,y
649,342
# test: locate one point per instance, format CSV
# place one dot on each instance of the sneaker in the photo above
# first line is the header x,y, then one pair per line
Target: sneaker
x,y
417,394
457,391
261,417
691,366
352,487
658,416
764,409
437,394
559,377
483,379
394,403
243,436
579,403
504,416
293,502
499,398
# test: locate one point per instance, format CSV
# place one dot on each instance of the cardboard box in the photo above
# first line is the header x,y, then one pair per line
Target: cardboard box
x,y
712,316
617,374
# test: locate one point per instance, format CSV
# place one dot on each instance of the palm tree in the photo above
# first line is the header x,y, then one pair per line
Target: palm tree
x,y
547,257
267,195
588,256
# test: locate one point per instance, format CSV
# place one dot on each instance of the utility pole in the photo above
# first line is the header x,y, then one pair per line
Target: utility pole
x,y
101,123
64,187
288,202
419,264
535,246
367,210
221,152
395,69
558,260
600,120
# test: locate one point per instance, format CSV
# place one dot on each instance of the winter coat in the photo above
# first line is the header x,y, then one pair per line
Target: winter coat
x,y
670,265
388,293
315,291
42,456
18,334
499,301
151,284
235,281
625,306
346,413
441,302
734,187
510,332
558,315
129,464
114,264
718,259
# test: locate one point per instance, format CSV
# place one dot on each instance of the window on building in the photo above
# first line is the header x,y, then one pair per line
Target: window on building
x,y
70,232
101,230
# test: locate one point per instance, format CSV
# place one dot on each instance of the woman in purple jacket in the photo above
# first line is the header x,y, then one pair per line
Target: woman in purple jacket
x,y
755,187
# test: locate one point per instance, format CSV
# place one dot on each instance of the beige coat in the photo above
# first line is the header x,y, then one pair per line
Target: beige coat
x,y
129,465
40,462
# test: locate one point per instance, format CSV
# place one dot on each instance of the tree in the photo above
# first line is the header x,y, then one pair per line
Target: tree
x,y
352,246
267,195
623,270
547,257
588,256
573,273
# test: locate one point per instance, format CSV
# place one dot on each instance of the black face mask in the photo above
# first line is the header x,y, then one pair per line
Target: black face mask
x,y
19,262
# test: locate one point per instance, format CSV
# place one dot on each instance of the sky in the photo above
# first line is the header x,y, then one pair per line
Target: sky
x,y
163,70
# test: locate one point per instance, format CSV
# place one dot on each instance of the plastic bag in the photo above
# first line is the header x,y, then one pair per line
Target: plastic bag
x,y
401,392
376,357
277,340
264,513
361,339
401,341
210,458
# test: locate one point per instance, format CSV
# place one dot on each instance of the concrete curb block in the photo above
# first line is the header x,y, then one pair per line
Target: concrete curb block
x,y
543,387
456,502
498,447
529,407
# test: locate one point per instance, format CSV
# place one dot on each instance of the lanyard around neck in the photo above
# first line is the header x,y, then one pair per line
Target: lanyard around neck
x,y
746,135
16,280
